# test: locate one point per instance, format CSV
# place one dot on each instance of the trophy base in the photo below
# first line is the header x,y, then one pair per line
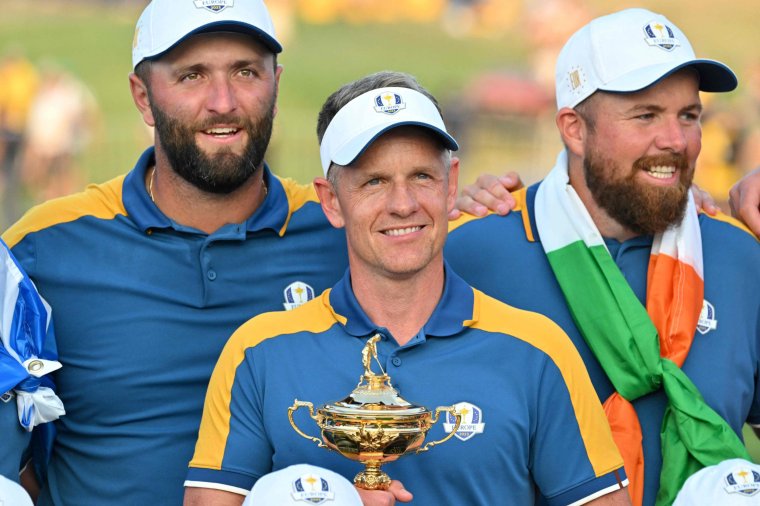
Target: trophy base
x,y
372,478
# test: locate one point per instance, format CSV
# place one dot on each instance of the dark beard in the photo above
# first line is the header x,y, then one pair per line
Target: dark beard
x,y
641,208
222,172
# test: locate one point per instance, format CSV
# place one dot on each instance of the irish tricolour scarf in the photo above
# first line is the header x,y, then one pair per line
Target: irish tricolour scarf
x,y
640,349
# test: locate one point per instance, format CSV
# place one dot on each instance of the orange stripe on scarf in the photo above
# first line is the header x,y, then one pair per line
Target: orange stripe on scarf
x,y
675,292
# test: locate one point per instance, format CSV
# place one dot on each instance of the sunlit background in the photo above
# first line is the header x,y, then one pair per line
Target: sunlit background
x,y
65,104
490,63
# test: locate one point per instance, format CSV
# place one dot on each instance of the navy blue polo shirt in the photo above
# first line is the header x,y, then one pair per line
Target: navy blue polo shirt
x,y
143,308
531,420
724,360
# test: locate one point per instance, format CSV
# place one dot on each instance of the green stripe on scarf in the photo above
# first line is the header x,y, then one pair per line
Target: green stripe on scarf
x,y
619,331
603,305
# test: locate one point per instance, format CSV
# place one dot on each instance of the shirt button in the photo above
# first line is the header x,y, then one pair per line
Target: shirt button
x,y
211,275
396,361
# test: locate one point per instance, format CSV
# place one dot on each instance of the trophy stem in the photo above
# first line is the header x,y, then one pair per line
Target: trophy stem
x,y
372,478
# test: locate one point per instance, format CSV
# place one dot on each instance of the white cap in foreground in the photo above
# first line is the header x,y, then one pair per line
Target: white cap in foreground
x,y
303,484
628,51
12,494
733,482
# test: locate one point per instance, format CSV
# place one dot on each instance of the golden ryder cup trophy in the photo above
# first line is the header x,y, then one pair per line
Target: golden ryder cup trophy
x,y
373,425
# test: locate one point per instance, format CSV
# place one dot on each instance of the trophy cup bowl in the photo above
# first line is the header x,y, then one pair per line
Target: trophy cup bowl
x,y
373,425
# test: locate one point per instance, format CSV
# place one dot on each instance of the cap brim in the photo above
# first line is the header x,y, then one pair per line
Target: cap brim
x,y
713,77
226,26
352,150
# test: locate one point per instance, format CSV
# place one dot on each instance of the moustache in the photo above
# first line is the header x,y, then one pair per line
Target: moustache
x,y
225,119
677,160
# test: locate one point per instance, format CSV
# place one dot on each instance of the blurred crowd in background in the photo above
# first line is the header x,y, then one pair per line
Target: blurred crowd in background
x,y
47,117
503,118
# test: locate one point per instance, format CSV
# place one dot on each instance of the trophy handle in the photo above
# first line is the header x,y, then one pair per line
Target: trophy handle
x,y
456,414
303,404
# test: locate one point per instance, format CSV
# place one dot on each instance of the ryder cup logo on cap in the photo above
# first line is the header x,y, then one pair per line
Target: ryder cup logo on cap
x,y
373,113
660,35
389,103
302,483
733,482
628,51
165,23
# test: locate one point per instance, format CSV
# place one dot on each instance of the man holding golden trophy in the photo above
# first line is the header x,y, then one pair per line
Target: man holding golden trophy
x,y
519,416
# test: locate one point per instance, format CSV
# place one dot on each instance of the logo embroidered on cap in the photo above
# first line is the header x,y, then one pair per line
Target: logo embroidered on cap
x,y
214,5
707,321
297,294
472,417
660,35
389,103
742,480
312,488
576,79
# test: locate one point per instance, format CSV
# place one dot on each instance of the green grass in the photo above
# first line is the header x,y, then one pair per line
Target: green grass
x,y
752,442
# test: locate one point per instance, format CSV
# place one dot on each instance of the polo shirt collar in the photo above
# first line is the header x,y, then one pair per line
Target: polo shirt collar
x,y
272,214
454,311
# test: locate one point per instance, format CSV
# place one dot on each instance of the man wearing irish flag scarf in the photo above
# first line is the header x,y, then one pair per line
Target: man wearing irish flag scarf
x,y
662,303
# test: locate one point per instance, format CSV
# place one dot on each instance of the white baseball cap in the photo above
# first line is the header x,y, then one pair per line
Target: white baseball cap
x,y
12,494
165,23
628,51
371,114
303,484
733,482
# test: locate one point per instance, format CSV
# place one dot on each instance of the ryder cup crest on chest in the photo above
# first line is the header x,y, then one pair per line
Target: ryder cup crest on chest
x,y
297,294
707,320
472,421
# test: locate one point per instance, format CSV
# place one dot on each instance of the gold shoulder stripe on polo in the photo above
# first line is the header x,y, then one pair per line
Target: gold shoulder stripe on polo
x,y
731,221
519,197
98,200
542,333
298,196
315,316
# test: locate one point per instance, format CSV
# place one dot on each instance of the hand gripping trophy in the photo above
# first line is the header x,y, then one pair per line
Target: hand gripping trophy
x,y
373,425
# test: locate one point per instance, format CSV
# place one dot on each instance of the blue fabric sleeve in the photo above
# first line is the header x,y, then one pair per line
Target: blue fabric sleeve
x,y
562,468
